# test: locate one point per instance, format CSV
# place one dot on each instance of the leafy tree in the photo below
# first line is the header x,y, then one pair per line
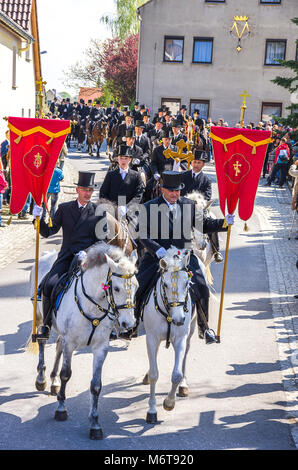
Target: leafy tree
x,y
290,84
126,21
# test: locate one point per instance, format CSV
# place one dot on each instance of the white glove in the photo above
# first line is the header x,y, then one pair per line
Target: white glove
x,y
136,161
123,210
156,176
161,252
82,255
37,211
230,219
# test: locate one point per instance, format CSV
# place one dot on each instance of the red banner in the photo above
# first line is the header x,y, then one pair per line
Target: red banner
x,y
35,147
239,156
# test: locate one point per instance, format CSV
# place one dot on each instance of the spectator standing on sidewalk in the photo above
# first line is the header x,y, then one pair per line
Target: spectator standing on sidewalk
x,y
293,171
282,156
62,156
53,192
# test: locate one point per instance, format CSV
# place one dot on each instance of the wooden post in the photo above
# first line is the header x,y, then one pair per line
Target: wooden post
x,y
34,325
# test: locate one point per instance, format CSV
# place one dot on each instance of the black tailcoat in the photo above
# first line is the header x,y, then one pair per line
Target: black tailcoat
x,y
131,187
201,183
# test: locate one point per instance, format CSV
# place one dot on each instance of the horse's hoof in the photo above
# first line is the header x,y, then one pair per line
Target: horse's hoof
x,y
55,390
168,407
40,386
146,380
151,418
61,415
96,434
183,392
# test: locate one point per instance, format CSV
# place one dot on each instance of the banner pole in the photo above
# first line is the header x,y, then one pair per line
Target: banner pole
x,y
223,284
34,325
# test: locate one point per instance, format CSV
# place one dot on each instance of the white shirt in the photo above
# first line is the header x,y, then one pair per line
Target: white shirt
x,y
81,205
195,174
123,173
172,207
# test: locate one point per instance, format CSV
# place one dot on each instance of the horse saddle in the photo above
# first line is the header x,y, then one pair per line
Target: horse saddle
x,y
62,285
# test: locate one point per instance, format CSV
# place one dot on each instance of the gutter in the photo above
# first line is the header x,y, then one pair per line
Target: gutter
x,y
4,19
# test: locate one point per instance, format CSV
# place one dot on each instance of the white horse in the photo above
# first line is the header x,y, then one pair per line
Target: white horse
x,y
169,315
101,294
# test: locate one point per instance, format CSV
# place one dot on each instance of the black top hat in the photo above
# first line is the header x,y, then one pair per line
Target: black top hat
x,y
111,102
68,100
136,103
128,113
146,114
166,133
172,180
142,106
82,101
200,155
89,101
176,123
160,110
139,124
130,133
196,111
125,108
183,106
86,179
124,151
97,101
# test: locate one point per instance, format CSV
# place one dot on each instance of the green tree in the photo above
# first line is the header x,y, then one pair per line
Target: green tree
x,y
290,84
125,22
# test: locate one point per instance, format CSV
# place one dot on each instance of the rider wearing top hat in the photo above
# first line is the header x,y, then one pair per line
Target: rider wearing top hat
x,y
178,214
78,221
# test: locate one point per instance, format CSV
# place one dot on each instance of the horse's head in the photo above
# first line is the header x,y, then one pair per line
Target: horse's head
x,y
175,283
122,288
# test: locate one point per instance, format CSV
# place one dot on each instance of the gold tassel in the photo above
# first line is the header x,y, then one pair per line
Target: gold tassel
x,y
246,229
225,147
9,220
50,224
18,140
254,150
50,141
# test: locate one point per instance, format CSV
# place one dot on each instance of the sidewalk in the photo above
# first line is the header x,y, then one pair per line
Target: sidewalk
x,y
273,209
20,234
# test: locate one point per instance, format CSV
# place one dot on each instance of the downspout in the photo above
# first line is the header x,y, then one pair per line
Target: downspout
x,y
139,55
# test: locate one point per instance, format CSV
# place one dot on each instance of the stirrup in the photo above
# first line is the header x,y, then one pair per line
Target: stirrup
x,y
43,333
209,336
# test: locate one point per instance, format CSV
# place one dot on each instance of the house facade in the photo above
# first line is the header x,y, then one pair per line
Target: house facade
x,y
205,54
19,58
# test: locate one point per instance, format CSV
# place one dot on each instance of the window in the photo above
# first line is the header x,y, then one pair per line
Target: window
x,y
202,50
270,111
215,1
275,50
202,105
173,104
173,49
270,1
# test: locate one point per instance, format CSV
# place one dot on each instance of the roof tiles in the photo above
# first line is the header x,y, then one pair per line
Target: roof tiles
x,y
18,10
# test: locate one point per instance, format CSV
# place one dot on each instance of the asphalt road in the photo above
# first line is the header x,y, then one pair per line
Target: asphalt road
x,y
236,401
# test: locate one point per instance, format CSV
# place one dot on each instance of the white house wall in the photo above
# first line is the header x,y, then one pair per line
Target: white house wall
x,y
20,101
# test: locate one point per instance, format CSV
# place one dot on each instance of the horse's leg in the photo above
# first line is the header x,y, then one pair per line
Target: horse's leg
x,y
152,349
65,374
179,345
55,385
95,389
41,383
183,390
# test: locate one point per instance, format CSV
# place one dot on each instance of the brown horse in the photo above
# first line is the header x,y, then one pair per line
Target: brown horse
x,y
118,233
112,138
97,136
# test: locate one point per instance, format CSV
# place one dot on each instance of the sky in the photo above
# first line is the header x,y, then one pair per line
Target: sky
x,y
65,30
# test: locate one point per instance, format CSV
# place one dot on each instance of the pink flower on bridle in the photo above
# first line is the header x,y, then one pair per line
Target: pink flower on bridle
x,y
105,286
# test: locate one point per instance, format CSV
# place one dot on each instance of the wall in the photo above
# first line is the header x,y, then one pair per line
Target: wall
x,y
21,100
231,72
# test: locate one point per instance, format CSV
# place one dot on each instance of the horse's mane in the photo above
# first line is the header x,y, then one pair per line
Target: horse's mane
x,y
105,202
96,256
198,198
175,257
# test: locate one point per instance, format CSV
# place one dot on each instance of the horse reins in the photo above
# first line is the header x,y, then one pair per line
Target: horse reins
x,y
114,314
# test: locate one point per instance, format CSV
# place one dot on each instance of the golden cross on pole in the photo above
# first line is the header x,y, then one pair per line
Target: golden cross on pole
x,y
180,155
40,95
243,107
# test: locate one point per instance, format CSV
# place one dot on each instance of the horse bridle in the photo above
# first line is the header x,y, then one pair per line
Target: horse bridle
x,y
113,314
168,305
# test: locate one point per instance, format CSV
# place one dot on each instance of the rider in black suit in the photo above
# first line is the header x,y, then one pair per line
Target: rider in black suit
x,y
78,221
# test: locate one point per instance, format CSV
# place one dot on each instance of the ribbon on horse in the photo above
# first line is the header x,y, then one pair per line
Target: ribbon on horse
x,y
35,148
239,156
